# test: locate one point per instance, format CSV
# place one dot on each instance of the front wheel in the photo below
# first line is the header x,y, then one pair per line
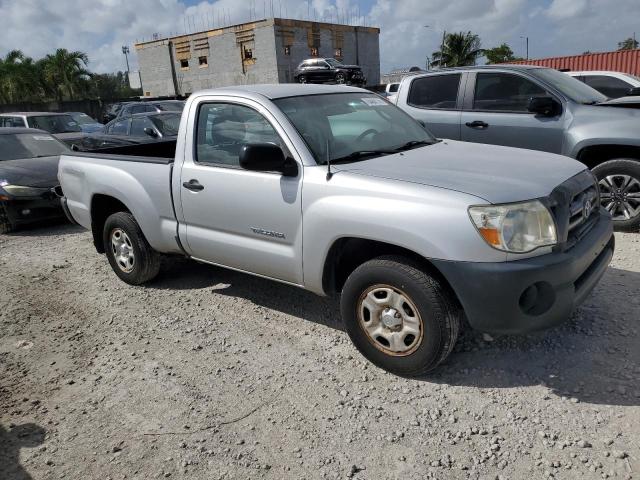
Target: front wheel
x,y
619,182
400,317
130,255
302,79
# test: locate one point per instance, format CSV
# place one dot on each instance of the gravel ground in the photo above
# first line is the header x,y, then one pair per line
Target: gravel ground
x,y
208,374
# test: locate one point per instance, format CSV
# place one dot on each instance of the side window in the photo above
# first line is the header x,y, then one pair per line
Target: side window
x,y
120,127
436,91
137,109
138,125
223,128
610,86
11,122
504,92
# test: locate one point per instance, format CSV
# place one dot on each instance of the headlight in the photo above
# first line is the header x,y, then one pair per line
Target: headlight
x,y
19,191
515,228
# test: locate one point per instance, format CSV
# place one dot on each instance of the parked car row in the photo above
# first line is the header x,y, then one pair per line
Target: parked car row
x,y
539,109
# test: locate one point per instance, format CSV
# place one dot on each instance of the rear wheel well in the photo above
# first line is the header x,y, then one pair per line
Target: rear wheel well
x,y
347,254
103,206
597,154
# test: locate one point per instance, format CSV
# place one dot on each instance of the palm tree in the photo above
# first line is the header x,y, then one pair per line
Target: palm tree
x,y
9,75
66,73
459,49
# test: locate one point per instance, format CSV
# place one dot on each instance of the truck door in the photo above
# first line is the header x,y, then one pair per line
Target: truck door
x,y
496,111
433,100
233,217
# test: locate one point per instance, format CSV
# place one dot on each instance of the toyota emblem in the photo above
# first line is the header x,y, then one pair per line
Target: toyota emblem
x,y
587,209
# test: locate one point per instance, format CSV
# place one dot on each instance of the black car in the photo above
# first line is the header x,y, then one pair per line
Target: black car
x,y
328,70
28,173
113,110
150,107
135,129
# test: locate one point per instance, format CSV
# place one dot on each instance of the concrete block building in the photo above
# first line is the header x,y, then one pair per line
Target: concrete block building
x,y
263,51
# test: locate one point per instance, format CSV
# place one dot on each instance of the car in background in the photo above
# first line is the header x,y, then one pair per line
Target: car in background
x,y
112,111
87,124
28,173
138,128
61,125
540,109
149,107
611,84
328,70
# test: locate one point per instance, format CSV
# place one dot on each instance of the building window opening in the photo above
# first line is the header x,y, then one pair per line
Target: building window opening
x,y
337,53
247,53
202,61
184,64
287,50
314,51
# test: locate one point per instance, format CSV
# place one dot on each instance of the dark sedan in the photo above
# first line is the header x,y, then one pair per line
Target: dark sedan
x,y
28,172
138,128
328,70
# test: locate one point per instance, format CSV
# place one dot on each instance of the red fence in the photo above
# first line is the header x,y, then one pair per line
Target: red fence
x,y
627,61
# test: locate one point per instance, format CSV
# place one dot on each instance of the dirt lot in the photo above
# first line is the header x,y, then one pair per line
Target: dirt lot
x,y
209,374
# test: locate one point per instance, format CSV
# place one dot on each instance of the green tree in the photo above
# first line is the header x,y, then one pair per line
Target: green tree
x,y
500,54
66,73
459,49
628,44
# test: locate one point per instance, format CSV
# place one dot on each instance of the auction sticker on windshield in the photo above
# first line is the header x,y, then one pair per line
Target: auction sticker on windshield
x,y
40,137
374,101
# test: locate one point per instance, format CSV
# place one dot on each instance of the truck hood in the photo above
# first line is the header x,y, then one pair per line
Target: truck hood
x,y
30,172
495,174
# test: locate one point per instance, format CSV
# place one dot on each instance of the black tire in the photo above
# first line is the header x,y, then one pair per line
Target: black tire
x,y
341,78
5,225
147,260
438,309
302,79
616,169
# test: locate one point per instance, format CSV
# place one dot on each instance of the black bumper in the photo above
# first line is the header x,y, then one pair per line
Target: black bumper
x,y
532,294
27,210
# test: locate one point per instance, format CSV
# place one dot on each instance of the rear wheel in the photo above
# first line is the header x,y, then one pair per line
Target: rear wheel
x,y
5,225
130,255
340,78
400,317
302,79
619,182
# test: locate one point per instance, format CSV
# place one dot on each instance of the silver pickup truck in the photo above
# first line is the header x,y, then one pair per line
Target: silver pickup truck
x,y
333,189
541,109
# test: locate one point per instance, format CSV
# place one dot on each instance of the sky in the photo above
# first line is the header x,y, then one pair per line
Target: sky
x,y
410,29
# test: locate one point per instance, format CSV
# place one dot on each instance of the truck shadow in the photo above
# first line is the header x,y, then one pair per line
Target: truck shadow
x,y
28,435
592,358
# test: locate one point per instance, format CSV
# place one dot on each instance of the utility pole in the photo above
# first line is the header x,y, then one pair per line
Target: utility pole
x,y
527,43
125,50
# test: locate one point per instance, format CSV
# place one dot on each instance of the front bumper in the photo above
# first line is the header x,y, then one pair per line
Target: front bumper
x,y
28,210
532,294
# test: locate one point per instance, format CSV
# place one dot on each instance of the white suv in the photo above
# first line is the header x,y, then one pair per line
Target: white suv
x,y
611,84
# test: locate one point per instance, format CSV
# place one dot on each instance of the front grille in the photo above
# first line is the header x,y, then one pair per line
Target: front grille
x,y
575,205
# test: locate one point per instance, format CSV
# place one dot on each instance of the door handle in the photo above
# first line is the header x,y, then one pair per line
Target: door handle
x,y
479,124
193,185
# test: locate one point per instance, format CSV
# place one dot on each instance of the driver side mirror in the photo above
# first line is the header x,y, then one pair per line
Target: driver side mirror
x,y
634,91
267,157
545,106
151,132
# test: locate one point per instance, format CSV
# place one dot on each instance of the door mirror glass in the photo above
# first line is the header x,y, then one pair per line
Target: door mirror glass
x,y
545,106
151,132
266,157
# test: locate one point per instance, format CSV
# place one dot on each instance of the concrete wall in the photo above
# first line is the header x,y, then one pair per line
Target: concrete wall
x,y
270,64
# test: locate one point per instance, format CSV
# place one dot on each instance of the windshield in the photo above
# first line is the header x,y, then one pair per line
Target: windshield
x,y
82,118
54,123
333,62
569,86
171,106
167,124
336,126
29,145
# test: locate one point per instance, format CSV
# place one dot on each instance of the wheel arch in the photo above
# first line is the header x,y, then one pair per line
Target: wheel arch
x,y
102,206
594,155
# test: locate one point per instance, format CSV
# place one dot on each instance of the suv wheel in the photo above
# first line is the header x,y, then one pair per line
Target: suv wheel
x,y
340,78
130,255
619,182
302,79
400,317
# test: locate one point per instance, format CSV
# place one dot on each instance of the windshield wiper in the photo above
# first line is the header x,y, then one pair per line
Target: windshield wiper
x,y
361,154
413,144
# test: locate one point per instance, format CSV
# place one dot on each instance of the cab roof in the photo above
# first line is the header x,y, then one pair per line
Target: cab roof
x,y
283,90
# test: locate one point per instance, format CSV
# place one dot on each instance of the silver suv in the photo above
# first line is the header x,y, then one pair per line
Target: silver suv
x,y
540,109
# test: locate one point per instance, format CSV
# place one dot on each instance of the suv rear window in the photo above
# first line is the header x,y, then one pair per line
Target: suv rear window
x,y
437,91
